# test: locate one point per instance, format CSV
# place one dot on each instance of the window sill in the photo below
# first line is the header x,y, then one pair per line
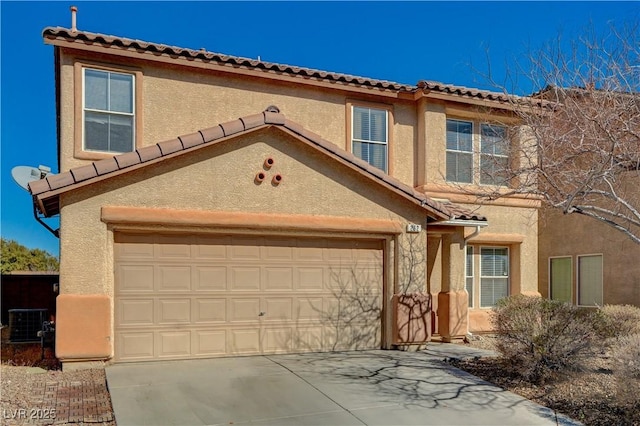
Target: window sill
x,y
94,155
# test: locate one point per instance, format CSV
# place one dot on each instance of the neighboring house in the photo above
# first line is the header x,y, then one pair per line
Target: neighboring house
x,y
214,205
587,263
582,260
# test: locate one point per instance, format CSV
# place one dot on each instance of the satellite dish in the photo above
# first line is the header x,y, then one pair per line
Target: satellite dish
x,y
25,174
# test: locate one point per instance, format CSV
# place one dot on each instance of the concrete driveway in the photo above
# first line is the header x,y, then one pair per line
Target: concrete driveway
x,y
346,388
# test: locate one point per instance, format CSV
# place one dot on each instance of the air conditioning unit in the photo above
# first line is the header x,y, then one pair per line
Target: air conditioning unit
x,y
24,324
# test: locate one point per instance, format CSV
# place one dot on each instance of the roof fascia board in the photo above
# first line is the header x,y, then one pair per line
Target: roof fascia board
x,y
64,43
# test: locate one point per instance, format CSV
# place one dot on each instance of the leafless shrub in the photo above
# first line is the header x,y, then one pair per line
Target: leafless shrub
x,y
618,321
540,338
626,367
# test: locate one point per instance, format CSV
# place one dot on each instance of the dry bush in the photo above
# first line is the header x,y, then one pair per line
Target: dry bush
x,y
28,355
617,321
626,367
539,338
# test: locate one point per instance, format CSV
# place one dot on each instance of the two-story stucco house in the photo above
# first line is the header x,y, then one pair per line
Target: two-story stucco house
x,y
213,205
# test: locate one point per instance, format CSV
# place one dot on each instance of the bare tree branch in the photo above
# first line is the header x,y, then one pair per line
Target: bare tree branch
x,y
578,136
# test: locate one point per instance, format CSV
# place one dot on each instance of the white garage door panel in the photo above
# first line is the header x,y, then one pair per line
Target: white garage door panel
x,y
201,296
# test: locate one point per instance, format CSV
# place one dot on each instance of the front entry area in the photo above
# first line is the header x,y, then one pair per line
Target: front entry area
x,y
183,296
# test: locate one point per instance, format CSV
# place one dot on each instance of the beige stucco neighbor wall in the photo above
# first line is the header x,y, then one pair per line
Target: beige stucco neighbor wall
x,y
574,235
178,101
221,178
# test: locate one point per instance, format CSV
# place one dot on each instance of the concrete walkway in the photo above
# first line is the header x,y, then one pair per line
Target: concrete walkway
x,y
344,388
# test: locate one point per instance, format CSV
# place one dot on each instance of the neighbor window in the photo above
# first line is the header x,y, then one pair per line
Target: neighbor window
x,y
590,280
469,274
560,279
494,159
459,151
108,111
494,275
369,135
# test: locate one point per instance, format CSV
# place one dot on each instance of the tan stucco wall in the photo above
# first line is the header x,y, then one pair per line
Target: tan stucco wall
x,y
219,178
574,235
515,228
178,101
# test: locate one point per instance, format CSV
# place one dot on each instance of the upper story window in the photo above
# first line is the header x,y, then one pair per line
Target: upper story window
x,y
463,166
459,151
494,157
370,136
108,111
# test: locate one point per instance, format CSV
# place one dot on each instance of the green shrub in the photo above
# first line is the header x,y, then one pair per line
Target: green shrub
x,y
617,321
539,338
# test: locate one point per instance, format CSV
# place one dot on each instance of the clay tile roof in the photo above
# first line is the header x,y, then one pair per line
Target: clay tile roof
x,y
59,33
468,92
46,192
205,56
460,213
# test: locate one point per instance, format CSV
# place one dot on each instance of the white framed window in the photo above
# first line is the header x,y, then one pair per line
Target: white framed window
x,y
477,153
561,278
459,151
590,280
469,274
494,275
494,154
370,135
108,105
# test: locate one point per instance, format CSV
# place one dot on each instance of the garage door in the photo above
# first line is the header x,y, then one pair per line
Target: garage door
x,y
203,296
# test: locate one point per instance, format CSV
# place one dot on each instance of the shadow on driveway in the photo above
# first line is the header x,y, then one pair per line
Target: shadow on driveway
x,y
340,388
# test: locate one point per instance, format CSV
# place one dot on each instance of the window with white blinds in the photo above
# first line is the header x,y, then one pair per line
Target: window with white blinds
x,y
590,280
459,151
469,274
560,278
370,135
494,275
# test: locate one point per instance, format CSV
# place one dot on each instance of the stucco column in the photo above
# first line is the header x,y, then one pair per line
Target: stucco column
x,y
434,275
430,150
453,298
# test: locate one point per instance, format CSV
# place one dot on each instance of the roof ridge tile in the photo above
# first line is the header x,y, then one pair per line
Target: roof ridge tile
x,y
127,159
84,172
191,140
210,134
105,166
170,146
253,121
148,153
232,127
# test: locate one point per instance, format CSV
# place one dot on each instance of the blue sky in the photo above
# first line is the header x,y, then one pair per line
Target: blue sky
x,y
451,42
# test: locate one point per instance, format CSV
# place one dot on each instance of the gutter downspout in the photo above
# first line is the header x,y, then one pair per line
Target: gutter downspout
x,y
55,232
473,234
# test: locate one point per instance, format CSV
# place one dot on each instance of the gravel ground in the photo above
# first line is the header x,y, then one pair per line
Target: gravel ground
x,y
591,396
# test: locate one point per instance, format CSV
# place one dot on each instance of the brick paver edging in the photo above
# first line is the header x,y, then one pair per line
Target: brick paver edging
x,y
70,402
